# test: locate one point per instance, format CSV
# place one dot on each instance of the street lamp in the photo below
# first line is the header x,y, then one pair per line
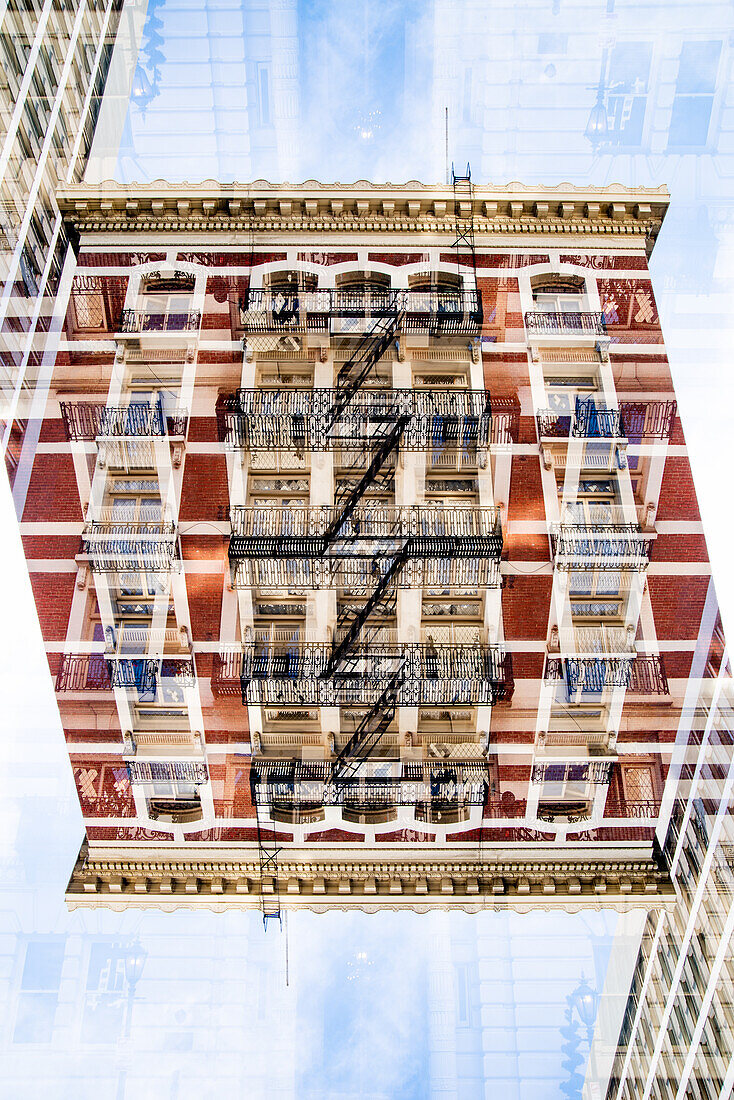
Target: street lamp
x,y
134,963
597,127
584,999
142,90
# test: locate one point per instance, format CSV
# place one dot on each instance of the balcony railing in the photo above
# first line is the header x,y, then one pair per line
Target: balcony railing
x,y
294,784
174,771
147,675
649,676
370,530
133,321
83,672
636,421
601,639
226,679
434,311
639,675
129,546
648,419
577,546
299,674
359,575
586,422
636,808
592,771
102,672
144,640
437,421
540,322
87,420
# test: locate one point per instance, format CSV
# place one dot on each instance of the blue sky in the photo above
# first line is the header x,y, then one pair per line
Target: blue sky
x,y
342,91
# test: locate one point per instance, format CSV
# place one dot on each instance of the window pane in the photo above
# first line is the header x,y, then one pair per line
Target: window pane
x,y
699,62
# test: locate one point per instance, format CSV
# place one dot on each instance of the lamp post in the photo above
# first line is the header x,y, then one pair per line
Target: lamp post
x,y
597,127
584,999
134,963
581,1003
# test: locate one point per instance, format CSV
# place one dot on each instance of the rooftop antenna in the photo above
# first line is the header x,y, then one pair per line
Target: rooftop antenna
x,y
448,180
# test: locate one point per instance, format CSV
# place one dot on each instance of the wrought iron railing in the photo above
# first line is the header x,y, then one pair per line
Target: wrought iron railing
x,y
133,320
649,676
626,807
592,771
301,674
359,575
562,322
648,419
641,675
442,312
584,423
168,771
226,679
83,672
127,546
87,420
635,421
577,546
424,531
102,672
146,674
437,421
295,784
590,674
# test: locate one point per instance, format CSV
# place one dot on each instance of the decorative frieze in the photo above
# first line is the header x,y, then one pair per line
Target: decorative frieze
x,y
330,880
361,207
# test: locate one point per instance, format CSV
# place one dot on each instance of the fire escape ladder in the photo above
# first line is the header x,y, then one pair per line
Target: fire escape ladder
x,y
357,618
268,849
382,452
370,350
369,731
464,221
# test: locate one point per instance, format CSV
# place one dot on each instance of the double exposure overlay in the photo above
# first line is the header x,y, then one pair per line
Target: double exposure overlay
x,y
364,544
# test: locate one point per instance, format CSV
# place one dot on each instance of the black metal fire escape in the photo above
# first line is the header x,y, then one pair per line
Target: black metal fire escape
x,y
268,849
384,444
368,733
464,217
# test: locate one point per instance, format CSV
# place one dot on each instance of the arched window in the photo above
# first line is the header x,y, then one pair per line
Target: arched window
x,y
366,282
558,293
290,282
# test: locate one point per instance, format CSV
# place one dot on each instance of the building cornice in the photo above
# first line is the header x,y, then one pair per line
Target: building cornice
x,y
350,881
511,209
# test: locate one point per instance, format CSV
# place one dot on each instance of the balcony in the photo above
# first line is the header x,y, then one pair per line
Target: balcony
x,y
115,544
359,576
646,420
540,322
598,536
370,530
87,420
191,772
133,322
311,785
299,674
592,771
163,678
648,809
587,421
640,675
301,420
345,312
83,672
